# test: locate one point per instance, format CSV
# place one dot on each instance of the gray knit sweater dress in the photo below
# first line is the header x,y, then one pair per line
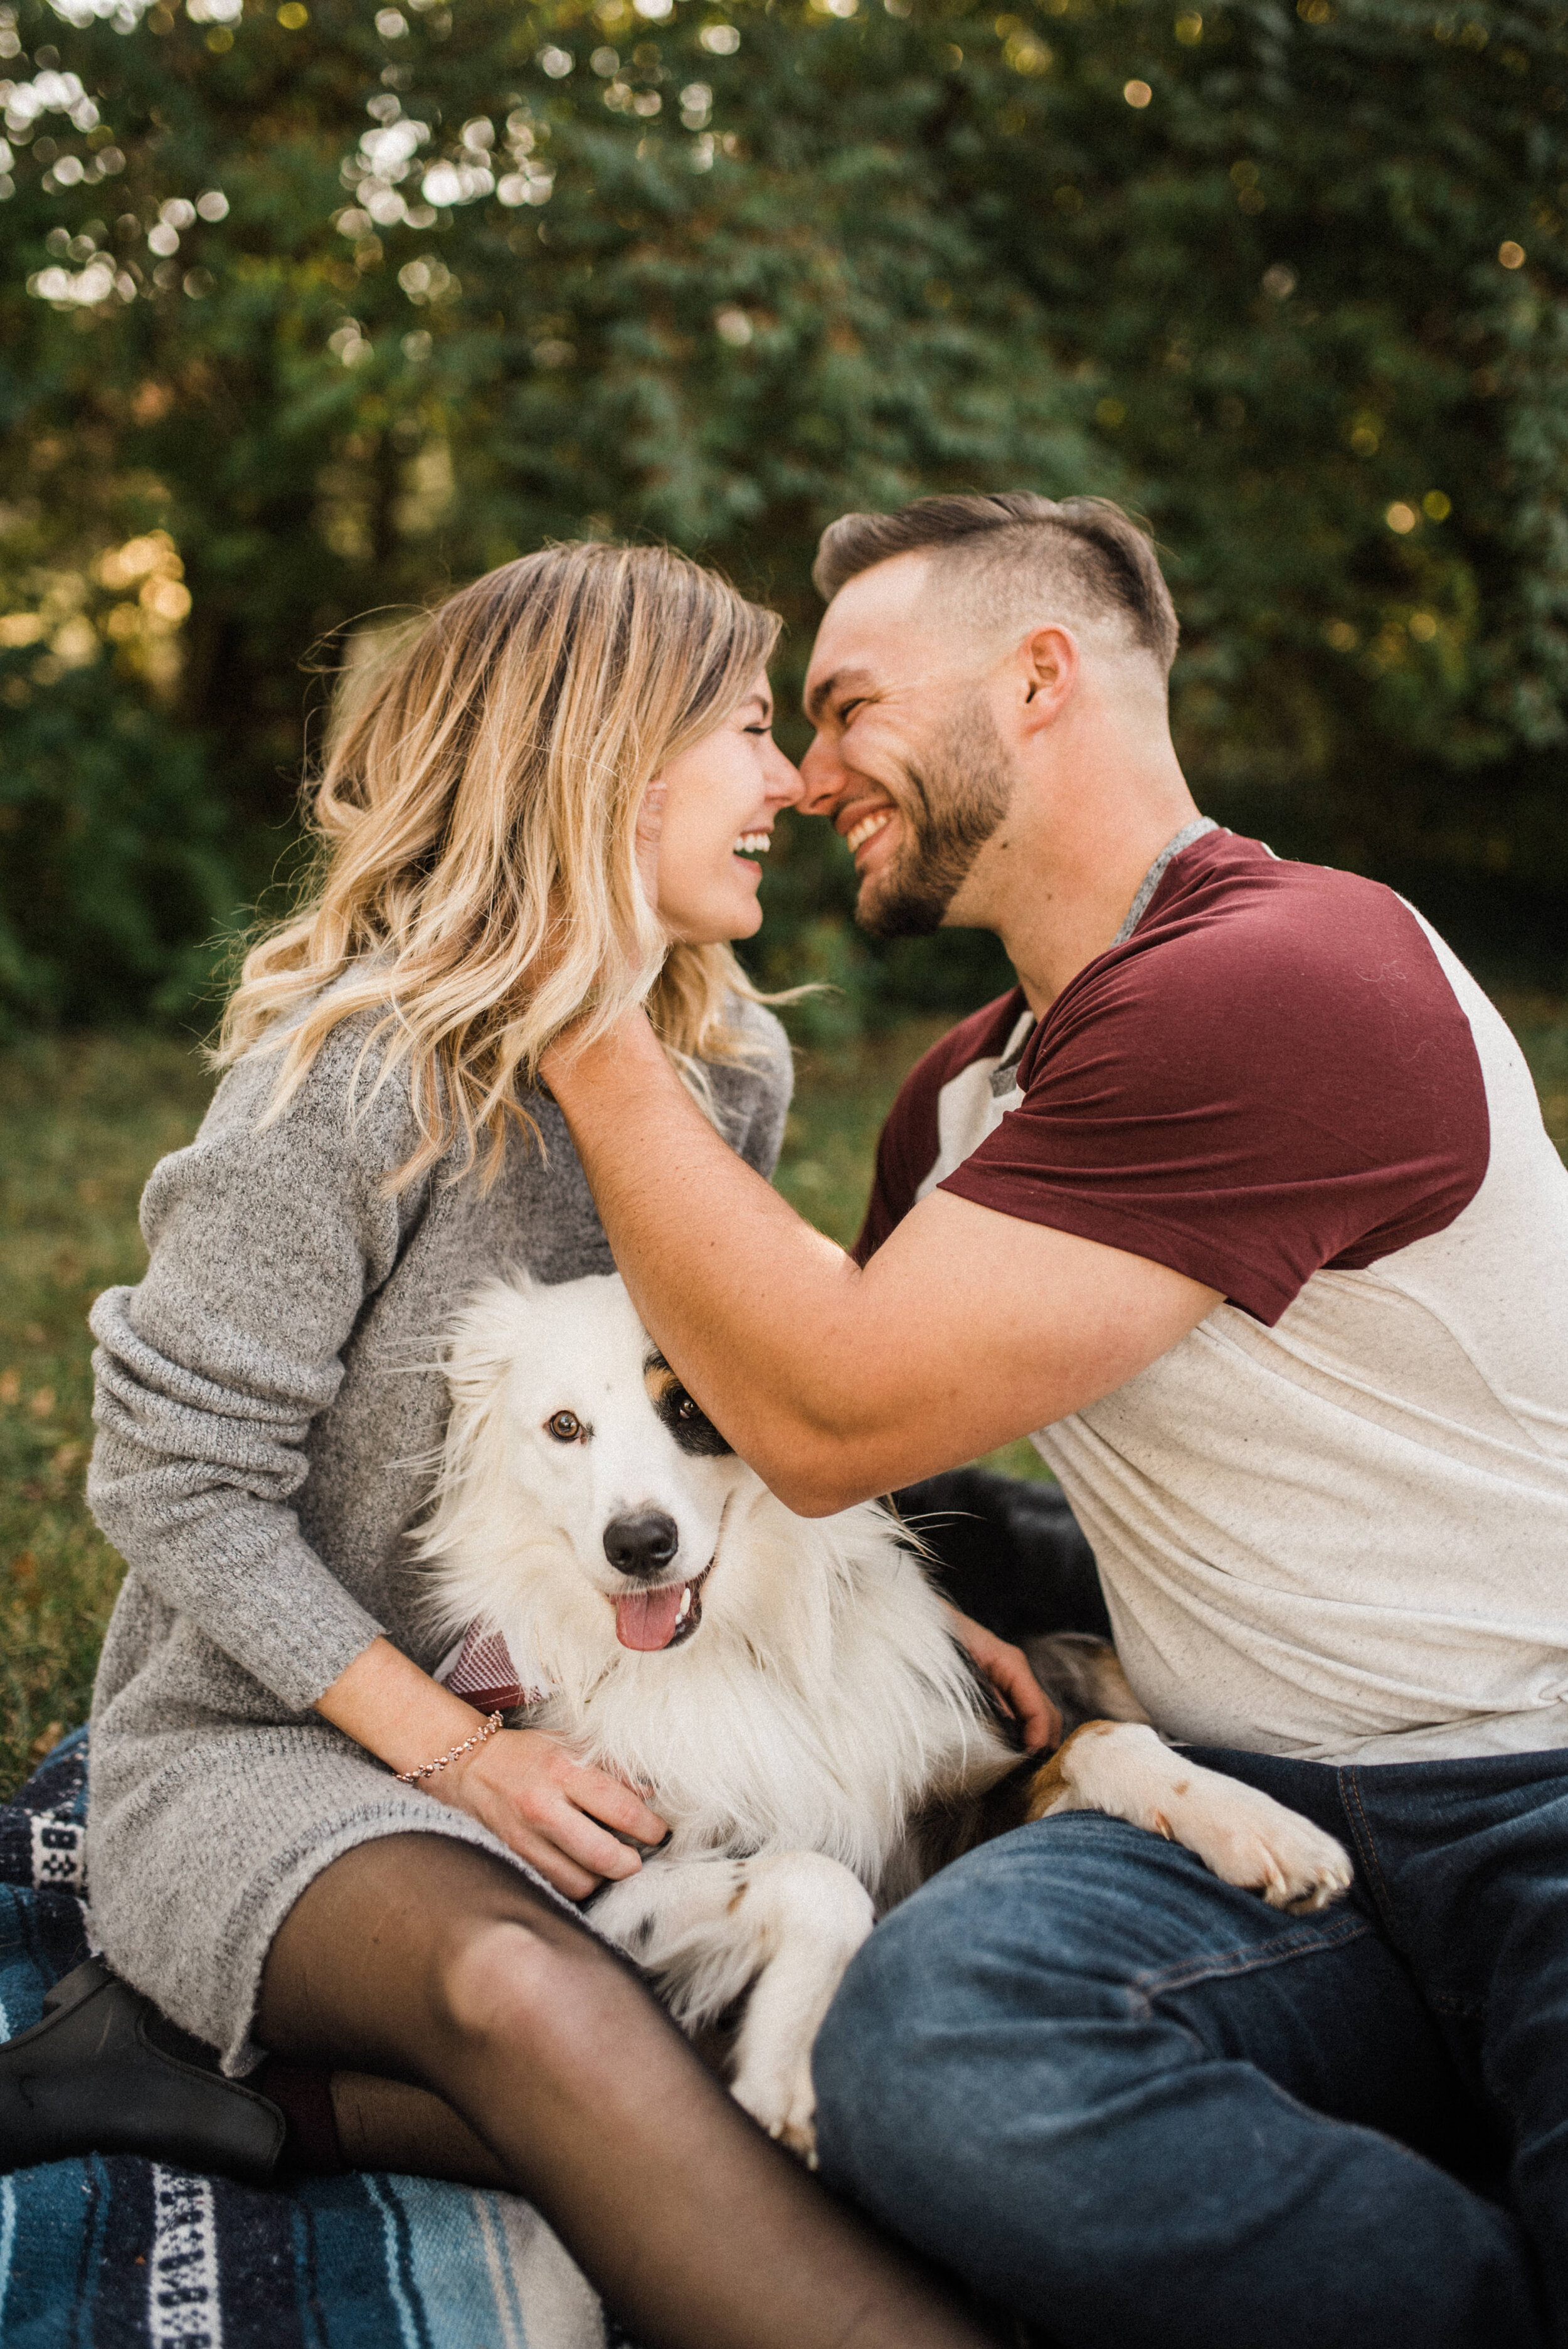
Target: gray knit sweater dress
x,y
268,1408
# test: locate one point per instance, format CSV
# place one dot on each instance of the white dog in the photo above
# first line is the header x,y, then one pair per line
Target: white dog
x,y
787,1691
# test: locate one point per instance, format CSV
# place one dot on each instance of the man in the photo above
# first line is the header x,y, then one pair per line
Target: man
x,y
1243,1203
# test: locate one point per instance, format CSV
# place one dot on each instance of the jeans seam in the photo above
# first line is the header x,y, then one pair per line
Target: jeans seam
x,y
1304,1942
1361,1836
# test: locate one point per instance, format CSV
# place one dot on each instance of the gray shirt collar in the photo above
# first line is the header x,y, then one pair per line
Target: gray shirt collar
x,y
1156,874
1005,1079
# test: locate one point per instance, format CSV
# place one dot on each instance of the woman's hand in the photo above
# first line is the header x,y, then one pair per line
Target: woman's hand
x,y
522,1785
1018,1692
550,1810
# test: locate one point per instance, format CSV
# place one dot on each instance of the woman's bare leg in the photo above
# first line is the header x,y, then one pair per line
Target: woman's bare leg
x,y
420,1958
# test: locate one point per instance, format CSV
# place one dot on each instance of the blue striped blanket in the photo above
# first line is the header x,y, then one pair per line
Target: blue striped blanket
x,y
120,2253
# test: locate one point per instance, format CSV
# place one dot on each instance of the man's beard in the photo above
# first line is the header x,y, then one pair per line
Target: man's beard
x,y
956,798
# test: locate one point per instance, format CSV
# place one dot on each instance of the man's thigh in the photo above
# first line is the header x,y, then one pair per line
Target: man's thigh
x,y
1120,2094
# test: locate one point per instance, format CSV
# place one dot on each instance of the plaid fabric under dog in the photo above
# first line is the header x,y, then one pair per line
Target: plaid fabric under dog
x,y
121,2253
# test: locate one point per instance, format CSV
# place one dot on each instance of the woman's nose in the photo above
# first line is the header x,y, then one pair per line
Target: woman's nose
x,y
785,786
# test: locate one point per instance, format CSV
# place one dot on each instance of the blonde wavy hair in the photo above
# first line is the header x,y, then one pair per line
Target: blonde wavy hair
x,y
476,818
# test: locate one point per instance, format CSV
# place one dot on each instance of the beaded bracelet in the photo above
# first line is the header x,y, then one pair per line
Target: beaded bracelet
x,y
428,1769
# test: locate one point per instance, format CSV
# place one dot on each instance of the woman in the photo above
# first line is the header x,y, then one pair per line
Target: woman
x,y
298,1841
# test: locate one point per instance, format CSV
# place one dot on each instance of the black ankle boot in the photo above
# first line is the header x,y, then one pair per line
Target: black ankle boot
x,y
105,2072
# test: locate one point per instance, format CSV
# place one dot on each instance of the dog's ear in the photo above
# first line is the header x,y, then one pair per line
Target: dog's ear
x,y
481,1341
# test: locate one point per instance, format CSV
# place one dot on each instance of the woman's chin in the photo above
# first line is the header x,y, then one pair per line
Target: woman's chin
x,y
718,927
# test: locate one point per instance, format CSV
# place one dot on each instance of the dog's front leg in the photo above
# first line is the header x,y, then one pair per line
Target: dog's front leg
x,y
786,1925
675,1918
1244,1835
805,1916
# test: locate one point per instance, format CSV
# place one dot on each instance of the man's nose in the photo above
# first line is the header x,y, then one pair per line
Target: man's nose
x,y
822,778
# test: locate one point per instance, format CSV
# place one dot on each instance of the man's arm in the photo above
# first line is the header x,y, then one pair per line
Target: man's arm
x,y
966,1329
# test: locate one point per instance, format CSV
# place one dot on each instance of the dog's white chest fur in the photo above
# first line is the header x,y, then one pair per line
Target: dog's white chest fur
x,y
819,1700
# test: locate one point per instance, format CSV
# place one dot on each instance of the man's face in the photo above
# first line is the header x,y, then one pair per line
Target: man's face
x,y
907,763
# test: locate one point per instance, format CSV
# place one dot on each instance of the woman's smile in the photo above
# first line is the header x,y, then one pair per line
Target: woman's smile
x,y
721,800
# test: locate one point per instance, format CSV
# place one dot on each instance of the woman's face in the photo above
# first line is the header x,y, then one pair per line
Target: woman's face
x,y
721,799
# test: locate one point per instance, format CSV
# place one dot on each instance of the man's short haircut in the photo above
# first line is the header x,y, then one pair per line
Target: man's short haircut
x,y
1018,549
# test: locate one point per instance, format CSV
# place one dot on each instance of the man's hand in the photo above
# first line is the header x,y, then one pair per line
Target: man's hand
x,y
526,1788
1017,1690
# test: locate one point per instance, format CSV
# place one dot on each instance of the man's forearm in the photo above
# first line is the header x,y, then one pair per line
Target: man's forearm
x,y
746,1299
967,1329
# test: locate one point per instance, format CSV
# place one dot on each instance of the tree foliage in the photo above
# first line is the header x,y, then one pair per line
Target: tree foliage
x,y
309,309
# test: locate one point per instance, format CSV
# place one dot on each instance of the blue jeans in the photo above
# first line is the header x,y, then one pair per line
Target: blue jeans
x,y
1141,2110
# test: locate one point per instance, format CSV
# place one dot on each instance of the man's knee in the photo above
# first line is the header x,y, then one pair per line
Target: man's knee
x,y
1030,1950
930,1997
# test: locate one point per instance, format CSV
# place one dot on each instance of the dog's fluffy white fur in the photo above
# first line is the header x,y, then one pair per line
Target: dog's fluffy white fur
x,y
813,1701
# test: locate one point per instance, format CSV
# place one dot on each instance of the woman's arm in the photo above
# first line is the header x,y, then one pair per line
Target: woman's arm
x,y
265,1243
521,1785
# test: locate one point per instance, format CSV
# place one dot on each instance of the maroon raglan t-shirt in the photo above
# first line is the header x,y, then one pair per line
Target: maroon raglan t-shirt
x,y
1283,1085
1270,1076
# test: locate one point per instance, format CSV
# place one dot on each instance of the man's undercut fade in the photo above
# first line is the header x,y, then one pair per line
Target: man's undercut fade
x,y
1012,553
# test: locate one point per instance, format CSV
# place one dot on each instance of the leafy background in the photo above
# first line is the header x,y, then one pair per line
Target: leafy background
x,y
307,310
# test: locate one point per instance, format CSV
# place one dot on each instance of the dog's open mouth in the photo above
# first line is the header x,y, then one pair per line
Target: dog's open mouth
x,y
662,1617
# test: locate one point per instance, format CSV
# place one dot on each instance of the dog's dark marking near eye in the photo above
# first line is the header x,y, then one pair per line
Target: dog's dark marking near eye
x,y
686,1420
641,1934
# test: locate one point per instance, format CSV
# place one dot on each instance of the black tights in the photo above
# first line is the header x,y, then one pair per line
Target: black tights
x,y
419,1959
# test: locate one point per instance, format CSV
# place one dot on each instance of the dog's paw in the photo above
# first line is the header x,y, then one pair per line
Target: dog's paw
x,y
785,2105
1253,1842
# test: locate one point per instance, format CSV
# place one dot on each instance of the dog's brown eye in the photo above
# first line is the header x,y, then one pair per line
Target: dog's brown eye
x,y
689,1409
566,1427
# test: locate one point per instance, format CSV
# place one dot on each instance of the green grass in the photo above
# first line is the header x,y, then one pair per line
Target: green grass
x,y
86,1118
83,1121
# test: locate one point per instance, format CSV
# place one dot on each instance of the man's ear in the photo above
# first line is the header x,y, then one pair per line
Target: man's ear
x,y
1049,662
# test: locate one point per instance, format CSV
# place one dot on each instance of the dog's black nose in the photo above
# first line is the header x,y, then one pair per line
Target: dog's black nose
x,y
642,1542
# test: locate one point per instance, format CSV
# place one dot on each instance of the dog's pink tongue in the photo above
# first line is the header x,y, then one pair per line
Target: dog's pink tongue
x,y
647,1619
